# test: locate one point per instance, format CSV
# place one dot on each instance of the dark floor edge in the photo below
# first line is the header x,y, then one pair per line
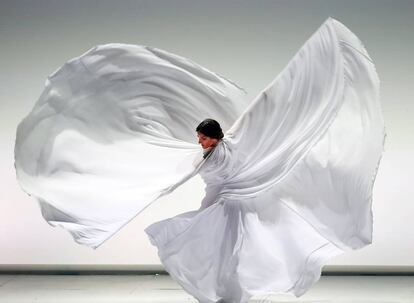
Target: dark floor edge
x,y
153,269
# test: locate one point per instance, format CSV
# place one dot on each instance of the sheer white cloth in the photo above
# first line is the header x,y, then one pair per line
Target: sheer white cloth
x,y
287,188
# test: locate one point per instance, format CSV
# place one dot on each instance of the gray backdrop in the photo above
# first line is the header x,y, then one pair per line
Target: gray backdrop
x,y
247,41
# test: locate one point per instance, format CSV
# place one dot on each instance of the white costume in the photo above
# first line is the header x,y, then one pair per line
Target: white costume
x,y
288,187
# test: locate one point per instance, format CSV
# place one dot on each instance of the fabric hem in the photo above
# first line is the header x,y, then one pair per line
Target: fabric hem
x,y
312,268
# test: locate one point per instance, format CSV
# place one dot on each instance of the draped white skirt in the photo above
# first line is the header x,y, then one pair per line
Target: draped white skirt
x,y
233,250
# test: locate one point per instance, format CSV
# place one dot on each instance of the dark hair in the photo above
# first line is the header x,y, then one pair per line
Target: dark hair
x,y
211,128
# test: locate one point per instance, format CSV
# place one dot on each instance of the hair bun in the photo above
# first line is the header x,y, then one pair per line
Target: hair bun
x,y
211,128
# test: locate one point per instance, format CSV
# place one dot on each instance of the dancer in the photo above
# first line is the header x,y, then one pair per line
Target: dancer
x,y
289,176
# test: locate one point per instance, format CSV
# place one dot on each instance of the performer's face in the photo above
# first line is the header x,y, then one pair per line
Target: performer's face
x,y
205,141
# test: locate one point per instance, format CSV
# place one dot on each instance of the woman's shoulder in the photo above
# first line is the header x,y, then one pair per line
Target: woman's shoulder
x,y
218,152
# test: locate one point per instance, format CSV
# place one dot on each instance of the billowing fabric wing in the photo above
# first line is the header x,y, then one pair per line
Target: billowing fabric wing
x,y
315,137
114,130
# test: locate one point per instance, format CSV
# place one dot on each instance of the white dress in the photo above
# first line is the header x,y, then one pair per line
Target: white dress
x,y
287,188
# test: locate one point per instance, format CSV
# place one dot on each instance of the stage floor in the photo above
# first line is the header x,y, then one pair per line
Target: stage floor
x,y
161,288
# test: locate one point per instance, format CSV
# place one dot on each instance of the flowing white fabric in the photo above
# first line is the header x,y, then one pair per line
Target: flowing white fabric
x,y
287,188
113,131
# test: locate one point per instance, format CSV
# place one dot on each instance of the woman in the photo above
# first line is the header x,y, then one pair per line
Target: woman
x,y
288,184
